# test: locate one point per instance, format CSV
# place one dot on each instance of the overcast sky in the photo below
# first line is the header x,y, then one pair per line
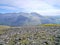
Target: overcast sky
x,y
43,7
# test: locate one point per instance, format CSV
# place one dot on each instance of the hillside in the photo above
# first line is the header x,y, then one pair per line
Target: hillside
x,y
20,19
30,35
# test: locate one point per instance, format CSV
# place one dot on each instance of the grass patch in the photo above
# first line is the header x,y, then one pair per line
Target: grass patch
x,y
3,29
50,24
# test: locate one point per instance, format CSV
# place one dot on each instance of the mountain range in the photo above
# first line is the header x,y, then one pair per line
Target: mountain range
x,y
20,19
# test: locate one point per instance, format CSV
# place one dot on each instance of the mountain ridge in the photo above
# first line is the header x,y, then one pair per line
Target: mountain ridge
x,y
20,19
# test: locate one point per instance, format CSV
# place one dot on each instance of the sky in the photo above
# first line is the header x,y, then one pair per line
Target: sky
x,y
43,7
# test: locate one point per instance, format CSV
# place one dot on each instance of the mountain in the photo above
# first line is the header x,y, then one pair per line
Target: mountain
x,y
20,19
55,19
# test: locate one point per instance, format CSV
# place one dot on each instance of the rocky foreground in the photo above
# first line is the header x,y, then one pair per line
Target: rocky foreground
x,y
30,35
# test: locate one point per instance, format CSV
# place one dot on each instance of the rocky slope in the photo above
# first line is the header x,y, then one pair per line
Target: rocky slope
x,y
31,35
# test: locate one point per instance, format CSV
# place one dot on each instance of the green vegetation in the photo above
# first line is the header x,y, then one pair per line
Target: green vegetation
x,y
50,25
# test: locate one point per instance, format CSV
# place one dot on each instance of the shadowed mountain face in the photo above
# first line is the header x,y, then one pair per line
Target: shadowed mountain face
x,y
19,19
